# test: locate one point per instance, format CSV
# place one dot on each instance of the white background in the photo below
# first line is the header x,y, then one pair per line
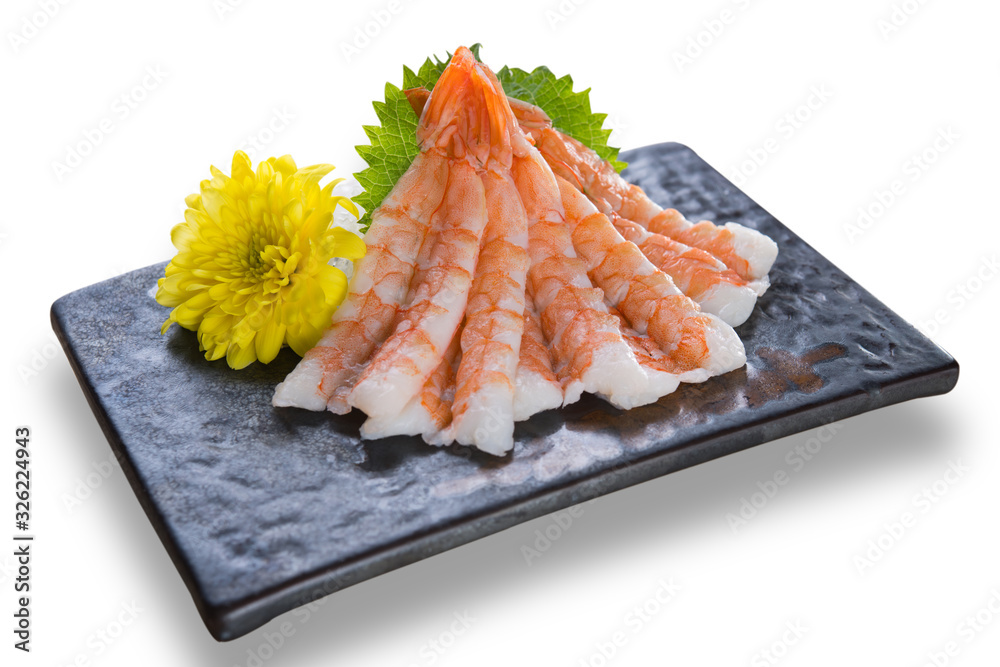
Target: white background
x,y
889,93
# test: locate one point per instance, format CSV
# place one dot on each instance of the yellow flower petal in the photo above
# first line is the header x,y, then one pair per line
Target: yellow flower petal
x,y
242,167
166,325
349,204
265,172
303,339
346,244
182,236
213,201
313,174
334,284
240,357
285,164
216,324
216,351
269,340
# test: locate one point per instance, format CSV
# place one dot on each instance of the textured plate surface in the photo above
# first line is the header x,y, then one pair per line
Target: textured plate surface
x,y
265,509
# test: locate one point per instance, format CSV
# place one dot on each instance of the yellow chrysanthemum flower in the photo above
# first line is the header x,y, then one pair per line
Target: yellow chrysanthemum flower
x,y
252,267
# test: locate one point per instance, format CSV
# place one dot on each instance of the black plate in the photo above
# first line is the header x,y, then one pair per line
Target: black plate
x,y
265,509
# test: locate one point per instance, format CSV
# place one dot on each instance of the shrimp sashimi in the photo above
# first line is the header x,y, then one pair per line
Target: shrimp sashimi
x,y
401,366
744,250
461,122
481,246
428,412
510,270
585,339
483,412
379,285
699,344
536,387
483,409
425,263
699,274
661,372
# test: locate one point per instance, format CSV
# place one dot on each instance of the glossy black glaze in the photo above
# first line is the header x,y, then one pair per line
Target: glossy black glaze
x,y
265,509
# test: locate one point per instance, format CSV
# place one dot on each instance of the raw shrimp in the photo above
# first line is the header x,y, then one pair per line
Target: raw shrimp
x,y
483,412
746,251
661,372
380,283
716,288
401,366
536,387
493,264
698,344
428,412
427,262
585,339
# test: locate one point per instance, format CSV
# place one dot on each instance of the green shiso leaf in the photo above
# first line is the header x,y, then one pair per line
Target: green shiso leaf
x,y
570,111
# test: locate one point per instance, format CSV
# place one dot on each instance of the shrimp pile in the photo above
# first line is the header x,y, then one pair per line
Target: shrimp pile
x,y
510,270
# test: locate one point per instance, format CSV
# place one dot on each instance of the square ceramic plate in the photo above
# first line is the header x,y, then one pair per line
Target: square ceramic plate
x,y
265,509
